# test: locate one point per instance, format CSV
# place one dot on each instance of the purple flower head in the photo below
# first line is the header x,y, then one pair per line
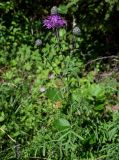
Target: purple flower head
x,y
54,21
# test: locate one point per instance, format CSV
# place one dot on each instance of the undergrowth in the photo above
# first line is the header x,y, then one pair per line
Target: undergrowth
x,y
52,105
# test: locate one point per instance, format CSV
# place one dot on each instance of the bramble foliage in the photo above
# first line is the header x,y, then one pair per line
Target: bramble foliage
x,y
54,104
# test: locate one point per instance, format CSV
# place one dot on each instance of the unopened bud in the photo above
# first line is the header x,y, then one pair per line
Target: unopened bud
x,y
51,76
54,10
76,31
42,89
38,42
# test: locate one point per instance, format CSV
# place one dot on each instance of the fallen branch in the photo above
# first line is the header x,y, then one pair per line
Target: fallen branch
x,y
101,58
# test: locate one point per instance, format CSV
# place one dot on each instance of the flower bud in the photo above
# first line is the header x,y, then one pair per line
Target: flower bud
x,y
76,31
51,76
54,10
42,89
38,42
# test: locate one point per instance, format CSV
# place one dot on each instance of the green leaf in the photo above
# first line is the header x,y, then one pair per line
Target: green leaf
x,y
96,91
62,32
92,139
76,95
70,4
99,107
27,66
78,136
63,9
54,94
61,124
2,117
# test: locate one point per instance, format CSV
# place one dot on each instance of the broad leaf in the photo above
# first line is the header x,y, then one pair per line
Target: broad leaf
x,y
61,124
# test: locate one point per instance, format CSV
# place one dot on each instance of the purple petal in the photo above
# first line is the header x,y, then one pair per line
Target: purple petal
x,y
54,21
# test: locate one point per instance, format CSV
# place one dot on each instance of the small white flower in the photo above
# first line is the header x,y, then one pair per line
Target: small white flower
x,y
38,42
42,89
51,76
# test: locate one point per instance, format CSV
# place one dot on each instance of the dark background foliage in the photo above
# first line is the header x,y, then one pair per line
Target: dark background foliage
x,y
97,19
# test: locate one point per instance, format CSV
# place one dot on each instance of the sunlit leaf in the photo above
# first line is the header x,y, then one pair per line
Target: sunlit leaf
x,y
61,124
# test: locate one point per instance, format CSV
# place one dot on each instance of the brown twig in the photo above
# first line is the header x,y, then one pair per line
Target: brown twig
x,y
101,58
